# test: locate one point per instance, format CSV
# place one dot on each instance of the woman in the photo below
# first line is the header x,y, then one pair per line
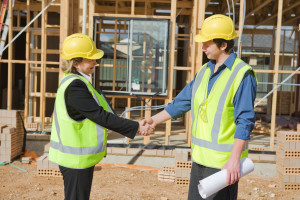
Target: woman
x,y
81,119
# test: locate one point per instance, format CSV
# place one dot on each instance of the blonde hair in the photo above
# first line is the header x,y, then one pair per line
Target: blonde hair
x,y
68,65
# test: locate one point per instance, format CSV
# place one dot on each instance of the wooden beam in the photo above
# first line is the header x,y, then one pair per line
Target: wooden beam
x,y
274,99
27,65
43,65
258,8
274,15
198,45
9,65
286,22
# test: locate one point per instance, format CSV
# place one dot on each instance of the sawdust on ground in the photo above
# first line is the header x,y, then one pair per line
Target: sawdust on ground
x,y
121,182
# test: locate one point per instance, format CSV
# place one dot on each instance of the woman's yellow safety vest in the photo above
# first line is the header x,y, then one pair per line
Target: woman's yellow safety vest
x,y
76,144
213,124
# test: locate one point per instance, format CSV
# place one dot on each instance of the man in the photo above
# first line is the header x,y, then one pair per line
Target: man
x,y
221,99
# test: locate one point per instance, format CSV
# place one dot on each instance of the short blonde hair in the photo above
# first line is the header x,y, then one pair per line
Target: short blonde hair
x,y
68,65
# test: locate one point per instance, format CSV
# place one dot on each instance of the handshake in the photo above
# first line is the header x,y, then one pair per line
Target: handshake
x,y
146,126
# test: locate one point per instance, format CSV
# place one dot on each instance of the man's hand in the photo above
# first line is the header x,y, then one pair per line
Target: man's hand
x,y
146,127
233,167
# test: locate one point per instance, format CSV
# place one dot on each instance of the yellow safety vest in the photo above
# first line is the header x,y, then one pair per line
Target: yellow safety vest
x,y
76,144
213,124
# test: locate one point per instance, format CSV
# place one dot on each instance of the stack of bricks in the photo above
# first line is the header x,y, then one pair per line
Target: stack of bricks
x,y
183,166
46,167
11,134
180,174
31,125
288,160
167,174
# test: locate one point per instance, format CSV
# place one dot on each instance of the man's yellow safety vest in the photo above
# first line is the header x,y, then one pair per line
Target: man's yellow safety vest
x,y
76,144
213,125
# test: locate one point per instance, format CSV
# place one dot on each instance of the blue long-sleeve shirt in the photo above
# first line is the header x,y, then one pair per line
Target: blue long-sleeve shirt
x,y
243,101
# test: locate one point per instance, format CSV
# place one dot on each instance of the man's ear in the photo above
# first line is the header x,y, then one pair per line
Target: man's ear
x,y
223,46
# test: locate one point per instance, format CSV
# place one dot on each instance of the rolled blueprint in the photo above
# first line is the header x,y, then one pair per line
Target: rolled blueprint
x,y
217,181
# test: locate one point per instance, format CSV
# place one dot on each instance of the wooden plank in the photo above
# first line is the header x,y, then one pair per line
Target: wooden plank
x,y
171,65
274,100
198,46
192,61
27,65
183,68
9,65
270,71
91,18
281,75
132,7
134,16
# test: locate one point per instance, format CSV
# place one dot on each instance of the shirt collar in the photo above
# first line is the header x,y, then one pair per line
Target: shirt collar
x,y
228,62
87,77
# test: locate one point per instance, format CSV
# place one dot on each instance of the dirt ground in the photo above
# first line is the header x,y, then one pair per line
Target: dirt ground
x,y
123,182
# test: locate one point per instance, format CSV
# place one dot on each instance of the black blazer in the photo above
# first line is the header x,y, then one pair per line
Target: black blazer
x,y
81,104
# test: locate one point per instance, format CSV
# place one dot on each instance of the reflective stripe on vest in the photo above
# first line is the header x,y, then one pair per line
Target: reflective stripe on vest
x,y
78,150
217,119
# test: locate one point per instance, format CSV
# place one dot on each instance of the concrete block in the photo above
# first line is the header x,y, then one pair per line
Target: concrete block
x,y
267,157
254,157
149,152
26,160
46,148
9,130
116,150
181,154
108,150
160,152
46,162
40,161
42,137
132,151
168,153
53,165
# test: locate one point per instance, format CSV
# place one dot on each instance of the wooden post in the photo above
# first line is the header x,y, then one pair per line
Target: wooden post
x,y
43,66
274,101
91,10
147,115
293,94
281,75
241,19
171,65
132,6
269,106
27,65
198,46
128,114
9,64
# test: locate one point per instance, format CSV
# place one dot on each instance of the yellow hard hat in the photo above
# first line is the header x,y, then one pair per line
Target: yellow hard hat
x,y
216,26
79,45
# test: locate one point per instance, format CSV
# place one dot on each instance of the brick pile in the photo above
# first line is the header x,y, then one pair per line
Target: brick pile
x,y
46,167
180,173
11,134
288,160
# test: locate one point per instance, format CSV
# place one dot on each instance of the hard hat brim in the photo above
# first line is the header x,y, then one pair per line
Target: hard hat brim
x,y
99,54
199,38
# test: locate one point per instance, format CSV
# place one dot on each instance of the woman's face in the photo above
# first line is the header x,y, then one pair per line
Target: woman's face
x,y
86,66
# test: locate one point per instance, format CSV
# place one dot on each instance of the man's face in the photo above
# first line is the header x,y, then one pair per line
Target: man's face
x,y
211,50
